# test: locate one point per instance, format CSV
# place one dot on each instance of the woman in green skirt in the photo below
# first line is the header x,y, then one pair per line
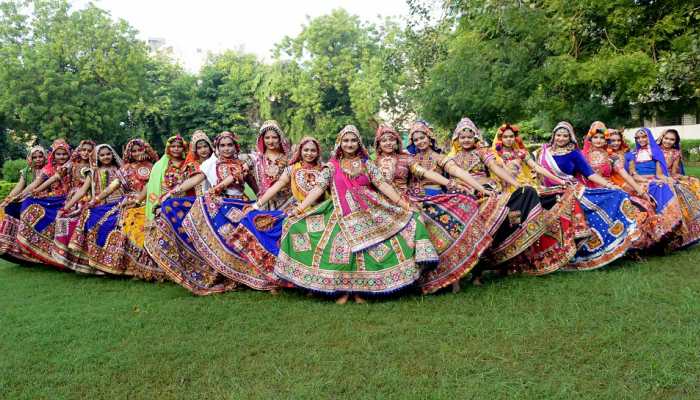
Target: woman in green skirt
x,y
364,240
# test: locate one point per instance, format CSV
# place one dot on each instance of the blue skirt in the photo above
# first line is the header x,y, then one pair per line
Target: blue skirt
x,y
37,229
171,248
611,220
212,225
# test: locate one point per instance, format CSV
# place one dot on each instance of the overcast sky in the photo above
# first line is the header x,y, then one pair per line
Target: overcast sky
x,y
194,27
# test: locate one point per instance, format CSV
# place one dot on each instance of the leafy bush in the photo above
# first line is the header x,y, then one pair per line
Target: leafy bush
x,y
5,189
11,168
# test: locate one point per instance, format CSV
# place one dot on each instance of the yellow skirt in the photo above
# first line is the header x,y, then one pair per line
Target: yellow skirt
x,y
134,221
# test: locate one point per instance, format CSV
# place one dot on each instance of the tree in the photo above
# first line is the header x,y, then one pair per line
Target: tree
x,y
546,60
64,73
338,71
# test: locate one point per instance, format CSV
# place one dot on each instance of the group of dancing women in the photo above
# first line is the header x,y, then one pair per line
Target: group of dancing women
x,y
414,219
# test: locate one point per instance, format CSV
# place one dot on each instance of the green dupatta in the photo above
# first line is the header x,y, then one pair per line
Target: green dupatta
x,y
154,187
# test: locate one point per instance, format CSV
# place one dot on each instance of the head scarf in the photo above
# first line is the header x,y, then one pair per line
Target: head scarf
x,y
656,153
297,163
465,124
29,171
33,150
272,125
546,158
173,139
342,183
51,166
76,152
624,147
223,135
148,155
423,127
192,157
154,187
296,156
596,127
349,129
385,129
621,154
676,146
569,128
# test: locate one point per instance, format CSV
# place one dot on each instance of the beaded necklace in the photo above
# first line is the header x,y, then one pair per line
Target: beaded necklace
x,y
352,167
387,165
274,166
426,160
560,151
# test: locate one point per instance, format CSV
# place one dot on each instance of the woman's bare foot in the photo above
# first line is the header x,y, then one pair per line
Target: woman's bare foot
x,y
342,299
359,300
477,281
456,287
275,292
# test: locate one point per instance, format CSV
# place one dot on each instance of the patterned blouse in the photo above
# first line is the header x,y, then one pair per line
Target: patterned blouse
x,y
436,163
102,177
673,161
174,176
136,175
238,170
513,162
602,164
397,170
304,179
70,179
475,161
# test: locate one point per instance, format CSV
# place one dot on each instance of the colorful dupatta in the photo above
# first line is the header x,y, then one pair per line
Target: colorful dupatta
x,y
525,175
297,164
154,187
655,151
343,183
547,160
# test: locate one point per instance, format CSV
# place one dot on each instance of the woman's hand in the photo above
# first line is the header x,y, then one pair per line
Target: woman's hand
x,y
128,203
252,207
406,205
165,197
296,211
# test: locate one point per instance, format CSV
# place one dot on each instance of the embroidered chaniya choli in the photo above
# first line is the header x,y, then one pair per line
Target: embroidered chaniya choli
x,y
610,215
356,242
457,228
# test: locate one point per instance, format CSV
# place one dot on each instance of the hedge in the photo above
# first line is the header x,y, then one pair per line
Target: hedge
x,y
6,188
11,169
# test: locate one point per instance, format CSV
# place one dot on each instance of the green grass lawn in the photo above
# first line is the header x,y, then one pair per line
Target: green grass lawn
x,y
629,331
693,170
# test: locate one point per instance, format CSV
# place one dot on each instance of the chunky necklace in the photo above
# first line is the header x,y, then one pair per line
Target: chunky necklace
x,y
560,151
274,165
467,159
387,165
426,160
508,153
352,167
